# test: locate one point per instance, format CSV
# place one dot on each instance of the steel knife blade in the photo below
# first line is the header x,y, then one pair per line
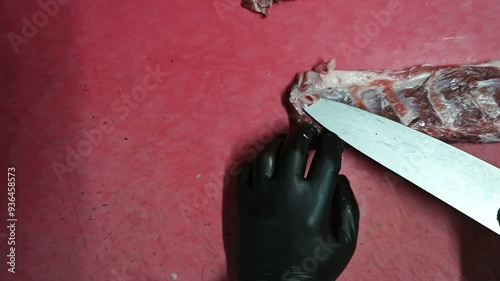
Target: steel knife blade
x,y
461,180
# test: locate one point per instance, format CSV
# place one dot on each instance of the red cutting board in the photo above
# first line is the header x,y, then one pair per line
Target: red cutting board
x,y
144,201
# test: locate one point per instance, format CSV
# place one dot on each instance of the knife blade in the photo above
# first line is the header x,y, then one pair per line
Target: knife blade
x,y
461,180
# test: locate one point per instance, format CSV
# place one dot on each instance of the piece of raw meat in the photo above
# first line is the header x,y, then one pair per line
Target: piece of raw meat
x,y
452,103
259,6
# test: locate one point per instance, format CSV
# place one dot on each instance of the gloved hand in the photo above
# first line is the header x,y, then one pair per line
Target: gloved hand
x,y
291,227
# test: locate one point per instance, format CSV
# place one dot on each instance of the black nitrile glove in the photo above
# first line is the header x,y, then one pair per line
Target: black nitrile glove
x,y
291,227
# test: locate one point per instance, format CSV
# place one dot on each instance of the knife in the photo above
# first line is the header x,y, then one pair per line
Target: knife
x,y
461,180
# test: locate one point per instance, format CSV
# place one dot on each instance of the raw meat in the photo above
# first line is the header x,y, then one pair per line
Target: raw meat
x,y
259,6
451,103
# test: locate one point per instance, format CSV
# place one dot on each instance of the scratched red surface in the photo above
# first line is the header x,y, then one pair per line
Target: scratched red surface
x,y
145,200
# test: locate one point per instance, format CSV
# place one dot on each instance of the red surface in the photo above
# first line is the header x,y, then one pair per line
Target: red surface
x,y
147,200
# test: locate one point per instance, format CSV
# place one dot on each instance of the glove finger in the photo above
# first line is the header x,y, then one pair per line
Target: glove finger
x,y
345,213
265,163
293,157
325,165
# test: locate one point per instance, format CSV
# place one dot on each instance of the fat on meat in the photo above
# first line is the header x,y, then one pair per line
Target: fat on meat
x,y
453,103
